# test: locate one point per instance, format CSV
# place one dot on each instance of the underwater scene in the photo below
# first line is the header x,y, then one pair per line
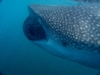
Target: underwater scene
x,y
34,38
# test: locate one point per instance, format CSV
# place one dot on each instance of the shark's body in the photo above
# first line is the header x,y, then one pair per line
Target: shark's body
x,y
70,32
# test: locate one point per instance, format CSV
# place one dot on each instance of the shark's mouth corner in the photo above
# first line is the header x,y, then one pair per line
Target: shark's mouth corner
x,y
33,29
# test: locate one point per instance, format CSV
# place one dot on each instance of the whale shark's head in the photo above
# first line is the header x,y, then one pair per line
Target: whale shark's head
x,y
70,32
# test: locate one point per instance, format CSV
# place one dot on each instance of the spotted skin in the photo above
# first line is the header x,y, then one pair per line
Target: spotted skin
x,y
77,26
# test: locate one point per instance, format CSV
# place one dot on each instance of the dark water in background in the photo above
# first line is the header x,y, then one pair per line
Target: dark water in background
x,y
18,56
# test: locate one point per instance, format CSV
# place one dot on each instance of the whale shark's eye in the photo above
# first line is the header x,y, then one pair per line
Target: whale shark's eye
x,y
64,43
33,29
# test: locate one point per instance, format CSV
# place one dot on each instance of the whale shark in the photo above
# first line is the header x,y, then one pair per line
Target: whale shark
x,y
69,32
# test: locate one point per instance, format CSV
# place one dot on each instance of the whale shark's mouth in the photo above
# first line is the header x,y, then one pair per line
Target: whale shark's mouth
x,y
33,29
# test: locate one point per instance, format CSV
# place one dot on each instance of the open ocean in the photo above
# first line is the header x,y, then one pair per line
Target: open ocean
x,y
19,56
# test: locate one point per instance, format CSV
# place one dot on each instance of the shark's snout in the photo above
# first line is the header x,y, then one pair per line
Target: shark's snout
x,y
33,30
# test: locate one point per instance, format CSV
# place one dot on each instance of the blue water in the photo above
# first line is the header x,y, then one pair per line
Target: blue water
x,y
18,56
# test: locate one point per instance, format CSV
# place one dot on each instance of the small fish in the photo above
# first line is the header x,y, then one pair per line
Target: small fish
x,y
69,32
